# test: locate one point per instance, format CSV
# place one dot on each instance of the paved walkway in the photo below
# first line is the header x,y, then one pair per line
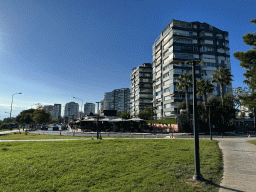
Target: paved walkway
x,y
239,164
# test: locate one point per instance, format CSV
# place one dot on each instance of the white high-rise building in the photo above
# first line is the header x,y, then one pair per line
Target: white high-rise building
x,y
141,88
71,110
50,109
181,41
89,108
119,100
54,110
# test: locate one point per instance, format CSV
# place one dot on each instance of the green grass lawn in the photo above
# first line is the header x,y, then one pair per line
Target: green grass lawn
x,y
252,142
108,165
31,136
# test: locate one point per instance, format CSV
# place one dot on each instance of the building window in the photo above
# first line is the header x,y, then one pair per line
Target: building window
x,y
167,106
166,90
165,75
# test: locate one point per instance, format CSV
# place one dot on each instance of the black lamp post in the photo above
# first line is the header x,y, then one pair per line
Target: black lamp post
x,y
98,121
197,175
210,127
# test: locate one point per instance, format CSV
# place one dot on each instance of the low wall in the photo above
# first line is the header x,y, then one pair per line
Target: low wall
x,y
173,126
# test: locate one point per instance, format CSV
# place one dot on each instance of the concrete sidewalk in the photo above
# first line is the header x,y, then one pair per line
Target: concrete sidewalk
x,y
239,158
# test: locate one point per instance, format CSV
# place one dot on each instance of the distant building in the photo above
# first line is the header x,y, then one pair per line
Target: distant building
x,y
247,112
102,104
141,88
89,108
119,100
71,110
50,109
54,110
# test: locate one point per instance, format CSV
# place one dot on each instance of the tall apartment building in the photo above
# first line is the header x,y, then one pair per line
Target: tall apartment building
x,y
89,108
141,88
102,106
50,109
71,110
181,41
119,100
54,110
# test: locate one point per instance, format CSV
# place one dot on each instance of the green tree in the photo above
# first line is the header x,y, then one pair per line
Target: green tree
x,y
204,87
26,116
119,113
222,116
184,82
222,76
146,114
242,115
248,62
125,115
41,116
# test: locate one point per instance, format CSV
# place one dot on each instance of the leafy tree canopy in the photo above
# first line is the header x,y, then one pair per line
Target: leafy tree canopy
x,y
40,115
146,114
25,117
248,59
125,115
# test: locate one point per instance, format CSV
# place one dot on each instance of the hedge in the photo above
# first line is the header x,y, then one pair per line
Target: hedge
x,y
163,121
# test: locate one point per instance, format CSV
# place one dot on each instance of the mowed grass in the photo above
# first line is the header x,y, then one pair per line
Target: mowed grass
x,y
108,165
32,136
252,142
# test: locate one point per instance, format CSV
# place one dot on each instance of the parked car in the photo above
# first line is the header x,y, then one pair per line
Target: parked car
x,y
44,127
54,128
63,127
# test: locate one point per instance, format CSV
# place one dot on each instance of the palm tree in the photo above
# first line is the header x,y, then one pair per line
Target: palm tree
x,y
184,82
204,87
222,76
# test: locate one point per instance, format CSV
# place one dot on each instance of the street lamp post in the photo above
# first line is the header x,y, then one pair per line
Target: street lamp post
x,y
11,109
210,121
197,175
81,106
98,121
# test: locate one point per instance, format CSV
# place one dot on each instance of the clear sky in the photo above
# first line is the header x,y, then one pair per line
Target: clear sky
x,y
54,50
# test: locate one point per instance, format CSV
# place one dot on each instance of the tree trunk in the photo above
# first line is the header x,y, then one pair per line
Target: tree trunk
x,y
222,94
205,99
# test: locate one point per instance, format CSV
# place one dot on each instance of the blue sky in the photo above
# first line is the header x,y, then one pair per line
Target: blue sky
x,y
52,51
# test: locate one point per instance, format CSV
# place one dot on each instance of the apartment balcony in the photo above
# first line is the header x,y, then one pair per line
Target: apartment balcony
x,y
168,62
166,86
158,97
167,39
227,62
159,89
158,83
166,94
166,78
158,69
158,54
158,75
166,55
